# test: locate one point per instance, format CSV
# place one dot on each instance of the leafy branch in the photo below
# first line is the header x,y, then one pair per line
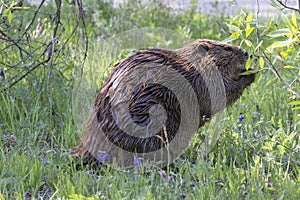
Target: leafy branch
x,y
271,44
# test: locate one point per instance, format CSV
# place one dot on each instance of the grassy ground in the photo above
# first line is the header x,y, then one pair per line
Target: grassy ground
x,y
254,159
257,158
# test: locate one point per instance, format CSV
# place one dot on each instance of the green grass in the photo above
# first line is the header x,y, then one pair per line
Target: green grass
x,y
257,158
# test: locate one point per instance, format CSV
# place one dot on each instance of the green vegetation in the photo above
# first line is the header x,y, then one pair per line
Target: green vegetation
x,y
257,155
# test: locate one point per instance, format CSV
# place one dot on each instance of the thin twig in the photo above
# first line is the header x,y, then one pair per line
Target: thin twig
x,y
288,7
32,20
52,49
81,16
28,47
273,69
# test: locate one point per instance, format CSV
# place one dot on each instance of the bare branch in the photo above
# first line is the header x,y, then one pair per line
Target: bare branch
x,y
273,69
288,7
52,48
32,45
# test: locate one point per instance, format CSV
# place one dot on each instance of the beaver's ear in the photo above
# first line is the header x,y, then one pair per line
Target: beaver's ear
x,y
202,49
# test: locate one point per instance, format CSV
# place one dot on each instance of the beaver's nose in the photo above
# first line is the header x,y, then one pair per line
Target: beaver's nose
x,y
245,53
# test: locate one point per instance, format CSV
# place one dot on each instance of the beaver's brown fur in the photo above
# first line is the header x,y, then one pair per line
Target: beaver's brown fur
x,y
194,61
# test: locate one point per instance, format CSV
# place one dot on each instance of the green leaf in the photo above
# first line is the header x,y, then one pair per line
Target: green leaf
x,y
275,4
296,108
294,20
286,19
233,21
257,47
280,32
294,103
249,31
11,5
233,28
248,63
248,116
249,17
20,7
235,35
286,42
248,72
9,17
248,43
5,12
278,44
261,62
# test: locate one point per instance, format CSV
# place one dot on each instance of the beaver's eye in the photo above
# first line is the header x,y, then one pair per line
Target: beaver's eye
x,y
228,49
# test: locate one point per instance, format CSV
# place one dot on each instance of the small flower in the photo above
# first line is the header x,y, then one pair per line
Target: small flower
x,y
220,180
137,161
45,160
102,157
164,176
65,155
241,117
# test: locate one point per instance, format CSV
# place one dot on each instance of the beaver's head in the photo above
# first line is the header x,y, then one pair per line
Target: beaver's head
x,y
212,57
231,62
229,59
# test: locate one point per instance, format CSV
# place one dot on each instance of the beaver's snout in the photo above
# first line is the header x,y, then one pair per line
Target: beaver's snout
x,y
245,53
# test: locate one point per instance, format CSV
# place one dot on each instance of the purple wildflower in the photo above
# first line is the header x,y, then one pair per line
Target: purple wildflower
x,y
164,176
45,160
137,161
241,117
65,155
102,157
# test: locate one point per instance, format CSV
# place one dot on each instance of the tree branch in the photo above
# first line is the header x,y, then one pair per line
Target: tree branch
x,y
273,69
288,7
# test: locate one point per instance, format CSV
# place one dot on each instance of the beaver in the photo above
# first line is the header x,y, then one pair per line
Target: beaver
x,y
139,109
